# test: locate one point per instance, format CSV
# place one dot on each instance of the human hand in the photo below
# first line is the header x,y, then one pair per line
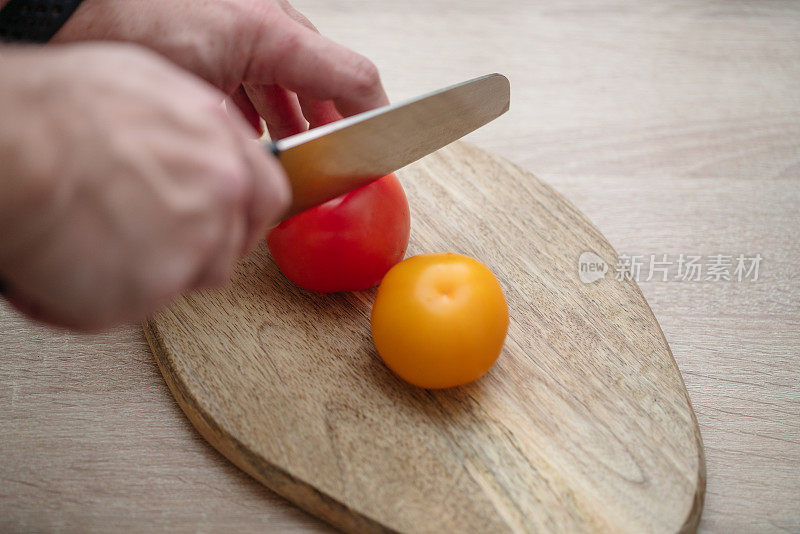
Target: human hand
x,y
123,183
265,55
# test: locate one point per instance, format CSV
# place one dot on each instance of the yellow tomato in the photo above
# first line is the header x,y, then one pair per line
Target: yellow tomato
x,y
439,320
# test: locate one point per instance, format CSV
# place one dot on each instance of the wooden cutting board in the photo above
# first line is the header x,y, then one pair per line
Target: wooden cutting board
x,y
584,423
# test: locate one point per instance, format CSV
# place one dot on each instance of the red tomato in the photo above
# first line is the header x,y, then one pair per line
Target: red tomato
x,y
345,244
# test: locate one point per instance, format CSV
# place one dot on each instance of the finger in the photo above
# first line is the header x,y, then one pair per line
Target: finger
x,y
240,99
219,266
313,66
319,112
316,112
271,194
226,227
279,108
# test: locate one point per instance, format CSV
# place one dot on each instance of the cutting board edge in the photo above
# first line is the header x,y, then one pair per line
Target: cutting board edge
x,y
696,510
289,487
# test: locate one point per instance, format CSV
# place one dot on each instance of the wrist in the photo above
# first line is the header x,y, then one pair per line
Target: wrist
x,y
94,20
213,41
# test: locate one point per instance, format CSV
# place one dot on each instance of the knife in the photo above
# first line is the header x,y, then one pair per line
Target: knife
x,y
331,160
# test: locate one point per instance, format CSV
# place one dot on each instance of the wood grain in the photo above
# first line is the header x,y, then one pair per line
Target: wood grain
x,y
583,424
673,125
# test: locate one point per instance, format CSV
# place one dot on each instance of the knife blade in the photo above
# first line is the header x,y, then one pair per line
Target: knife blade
x,y
333,159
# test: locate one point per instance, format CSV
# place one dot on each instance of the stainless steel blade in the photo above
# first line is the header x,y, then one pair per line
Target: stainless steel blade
x,y
328,161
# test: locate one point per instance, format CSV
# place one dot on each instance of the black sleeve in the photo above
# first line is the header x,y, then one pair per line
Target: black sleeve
x,y
34,21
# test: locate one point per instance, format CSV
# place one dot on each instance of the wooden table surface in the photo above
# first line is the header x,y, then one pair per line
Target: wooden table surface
x,y
674,125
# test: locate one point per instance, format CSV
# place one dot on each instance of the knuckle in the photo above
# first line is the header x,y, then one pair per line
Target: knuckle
x,y
232,185
365,75
288,43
